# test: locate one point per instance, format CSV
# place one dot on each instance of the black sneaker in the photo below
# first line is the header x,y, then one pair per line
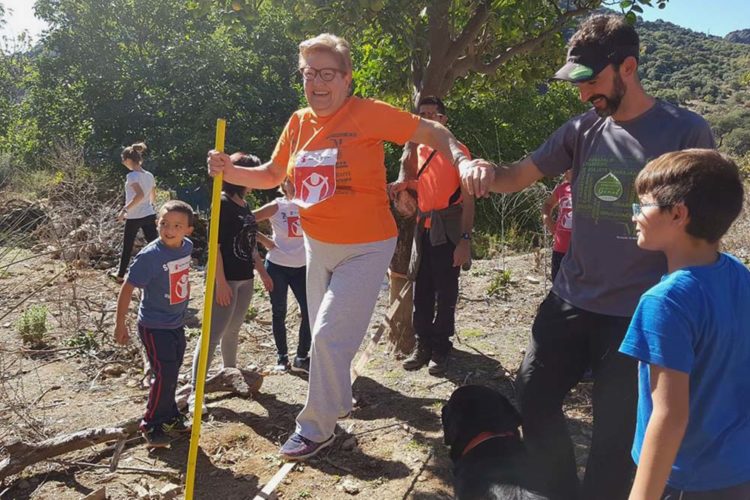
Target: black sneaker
x,y
301,365
282,365
419,358
155,437
438,364
177,425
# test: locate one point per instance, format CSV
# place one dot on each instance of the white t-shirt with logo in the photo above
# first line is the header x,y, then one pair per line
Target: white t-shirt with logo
x,y
146,181
287,235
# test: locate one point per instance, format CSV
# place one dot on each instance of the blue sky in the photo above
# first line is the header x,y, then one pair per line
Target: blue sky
x,y
717,17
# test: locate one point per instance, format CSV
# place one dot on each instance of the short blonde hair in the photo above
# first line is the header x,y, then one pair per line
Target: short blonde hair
x,y
326,42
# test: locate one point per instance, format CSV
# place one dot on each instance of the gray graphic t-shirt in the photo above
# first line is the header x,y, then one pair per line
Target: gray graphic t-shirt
x,y
604,271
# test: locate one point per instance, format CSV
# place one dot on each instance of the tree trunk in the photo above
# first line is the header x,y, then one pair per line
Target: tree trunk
x,y
401,333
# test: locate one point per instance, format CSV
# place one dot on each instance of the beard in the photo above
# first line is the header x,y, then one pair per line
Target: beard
x,y
612,101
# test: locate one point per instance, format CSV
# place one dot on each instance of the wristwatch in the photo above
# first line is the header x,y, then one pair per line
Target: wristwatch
x,y
465,236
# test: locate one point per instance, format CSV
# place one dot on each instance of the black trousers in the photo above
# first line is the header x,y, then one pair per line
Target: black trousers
x,y
556,259
738,492
565,341
148,225
165,349
435,296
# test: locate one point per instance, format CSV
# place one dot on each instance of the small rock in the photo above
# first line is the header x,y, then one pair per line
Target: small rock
x,y
350,486
132,383
532,280
113,370
170,491
349,444
422,479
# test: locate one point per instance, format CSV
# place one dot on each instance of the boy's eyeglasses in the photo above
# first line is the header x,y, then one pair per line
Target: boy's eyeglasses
x,y
638,207
326,74
430,115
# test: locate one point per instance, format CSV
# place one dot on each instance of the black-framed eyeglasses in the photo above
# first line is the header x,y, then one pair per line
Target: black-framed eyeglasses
x,y
326,74
638,207
431,115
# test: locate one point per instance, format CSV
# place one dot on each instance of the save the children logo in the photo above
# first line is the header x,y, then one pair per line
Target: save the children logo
x,y
179,283
608,188
314,176
294,226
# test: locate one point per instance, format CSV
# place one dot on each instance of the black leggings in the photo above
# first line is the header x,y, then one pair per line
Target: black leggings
x,y
148,225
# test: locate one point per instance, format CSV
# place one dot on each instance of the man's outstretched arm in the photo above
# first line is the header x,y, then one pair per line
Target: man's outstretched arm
x,y
481,180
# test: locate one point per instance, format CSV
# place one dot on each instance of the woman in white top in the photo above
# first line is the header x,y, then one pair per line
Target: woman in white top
x,y
138,211
285,263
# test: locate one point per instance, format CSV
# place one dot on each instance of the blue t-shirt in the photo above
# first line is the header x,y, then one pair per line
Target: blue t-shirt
x,y
697,321
162,273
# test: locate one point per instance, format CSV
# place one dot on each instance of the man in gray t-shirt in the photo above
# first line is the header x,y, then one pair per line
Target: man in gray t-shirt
x,y
584,318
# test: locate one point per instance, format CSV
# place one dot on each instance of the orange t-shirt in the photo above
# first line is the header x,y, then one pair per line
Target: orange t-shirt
x,y
438,182
358,211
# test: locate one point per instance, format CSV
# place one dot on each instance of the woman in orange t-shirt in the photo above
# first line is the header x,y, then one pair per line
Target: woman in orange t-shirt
x,y
333,150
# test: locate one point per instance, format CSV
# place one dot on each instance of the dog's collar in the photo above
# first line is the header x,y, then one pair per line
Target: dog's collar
x,y
484,436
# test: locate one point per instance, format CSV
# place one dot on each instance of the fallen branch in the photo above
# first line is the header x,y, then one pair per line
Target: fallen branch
x,y
160,472
22,454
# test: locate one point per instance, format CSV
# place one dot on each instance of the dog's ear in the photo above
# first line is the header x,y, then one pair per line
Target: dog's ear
x,y
450,427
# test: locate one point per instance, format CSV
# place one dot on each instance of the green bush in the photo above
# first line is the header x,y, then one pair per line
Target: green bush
x,y
32,326
499,283
84,342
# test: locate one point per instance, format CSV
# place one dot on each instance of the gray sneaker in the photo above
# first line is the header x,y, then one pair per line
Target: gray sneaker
x,y
438,364
301,365
419,358
298,447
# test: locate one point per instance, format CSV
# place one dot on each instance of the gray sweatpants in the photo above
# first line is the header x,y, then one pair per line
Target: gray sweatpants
x,y
343,282
225,326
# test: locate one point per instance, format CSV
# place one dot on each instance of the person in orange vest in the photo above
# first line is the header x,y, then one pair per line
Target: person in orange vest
x,y
442,244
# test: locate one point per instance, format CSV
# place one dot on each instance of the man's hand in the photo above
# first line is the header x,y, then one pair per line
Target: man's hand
x,y
477,176
218,163
223,293
462,253
121,334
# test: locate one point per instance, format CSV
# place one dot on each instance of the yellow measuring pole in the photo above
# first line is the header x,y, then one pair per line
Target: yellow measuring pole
x,y
200,383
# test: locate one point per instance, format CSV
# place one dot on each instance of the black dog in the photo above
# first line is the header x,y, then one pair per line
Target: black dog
x,y
490,460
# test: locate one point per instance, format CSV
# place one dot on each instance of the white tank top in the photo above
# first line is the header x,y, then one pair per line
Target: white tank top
x,y
287,235
146,181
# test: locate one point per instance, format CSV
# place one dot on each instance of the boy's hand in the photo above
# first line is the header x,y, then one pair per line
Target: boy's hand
x,y
122,336
223,293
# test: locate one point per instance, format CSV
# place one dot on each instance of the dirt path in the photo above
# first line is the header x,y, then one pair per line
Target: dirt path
x,y
390,448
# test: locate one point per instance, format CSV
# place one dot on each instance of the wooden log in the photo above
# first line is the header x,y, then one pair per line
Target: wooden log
x,y
21,454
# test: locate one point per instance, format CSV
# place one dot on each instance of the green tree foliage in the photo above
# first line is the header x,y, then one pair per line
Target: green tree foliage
x,y
431,45
113,73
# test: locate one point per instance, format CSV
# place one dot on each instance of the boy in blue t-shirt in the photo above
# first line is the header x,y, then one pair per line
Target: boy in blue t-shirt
x,y
691,334
161,269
